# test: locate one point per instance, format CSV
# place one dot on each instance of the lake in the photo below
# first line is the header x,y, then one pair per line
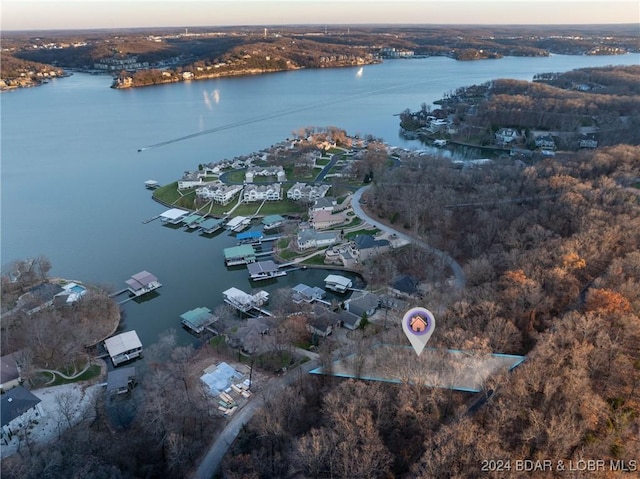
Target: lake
x,y
72,176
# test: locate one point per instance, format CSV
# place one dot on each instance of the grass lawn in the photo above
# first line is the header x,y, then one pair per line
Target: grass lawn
x,y
315,260
92,372
167,193
236,176
322,162
371,232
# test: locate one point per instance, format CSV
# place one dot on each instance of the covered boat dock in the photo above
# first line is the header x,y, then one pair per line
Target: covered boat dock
x,y
198,319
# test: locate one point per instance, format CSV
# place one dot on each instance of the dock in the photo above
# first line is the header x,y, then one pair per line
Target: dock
x,y
247,303
250,237
211,225
243,254
142,283
150,219
264,270
151,184
199,319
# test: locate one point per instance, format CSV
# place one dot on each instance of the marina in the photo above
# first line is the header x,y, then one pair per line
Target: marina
x,y
264,270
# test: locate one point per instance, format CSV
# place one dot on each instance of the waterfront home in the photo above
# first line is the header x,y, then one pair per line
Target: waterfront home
x,y
302,292
545,142
218,192
142,283
243,254
404,285
19,408
264,270
271,222
310,238
337,283
270,192
120,381
198,319
190,180
123,347
9,373
344,255
251,336
173,216
303,192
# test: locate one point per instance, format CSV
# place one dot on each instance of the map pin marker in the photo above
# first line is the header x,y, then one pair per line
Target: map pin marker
x,y
418,324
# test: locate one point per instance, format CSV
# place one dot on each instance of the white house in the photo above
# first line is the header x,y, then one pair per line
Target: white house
x,y
310,238
277,171
272,192
218,192
505,136
327,203
190,180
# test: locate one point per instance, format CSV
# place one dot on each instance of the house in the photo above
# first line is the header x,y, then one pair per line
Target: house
x,y
120,381
18,409
190,180
272,192
545,142
588,142
9,373
123,347
328,203
505,136
303,192
322,219
404,285
250,337
310,238
349,320
38,297
321,322
363,303
367,246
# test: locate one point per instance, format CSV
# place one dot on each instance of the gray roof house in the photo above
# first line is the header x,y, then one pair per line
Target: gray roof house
x,y
368,246
405,284
349,320
9,373
363,302
18,407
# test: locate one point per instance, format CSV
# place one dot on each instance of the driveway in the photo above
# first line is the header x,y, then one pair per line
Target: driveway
x,y
446,259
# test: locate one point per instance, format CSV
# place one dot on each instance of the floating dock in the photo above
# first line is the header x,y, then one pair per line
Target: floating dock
x,y
123,347
198,319
211,225
337,283
247,303
243,254
142,283
250,237
238,223
264,270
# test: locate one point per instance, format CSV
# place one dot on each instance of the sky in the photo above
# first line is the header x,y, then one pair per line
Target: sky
x,y
81,14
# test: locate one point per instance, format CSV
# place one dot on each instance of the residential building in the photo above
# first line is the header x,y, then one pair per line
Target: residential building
x,y
18,409
190,180
588,142
310,238
367,246
322,219
404,285
349,320
505,136
545,142
271,192
277,171
362,303
9,373
327,203
218,192
303,192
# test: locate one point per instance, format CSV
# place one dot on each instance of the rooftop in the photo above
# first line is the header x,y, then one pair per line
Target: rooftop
x,y
122,343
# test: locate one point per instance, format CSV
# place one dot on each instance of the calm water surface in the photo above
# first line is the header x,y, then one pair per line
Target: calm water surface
x,y
72,178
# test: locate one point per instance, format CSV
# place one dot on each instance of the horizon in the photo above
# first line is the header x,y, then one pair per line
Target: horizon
x,y
74,15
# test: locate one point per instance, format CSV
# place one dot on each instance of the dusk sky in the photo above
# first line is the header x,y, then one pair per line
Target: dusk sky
x,y
54,14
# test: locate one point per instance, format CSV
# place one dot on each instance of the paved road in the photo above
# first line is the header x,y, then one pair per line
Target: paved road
x,y
446,259
211,462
